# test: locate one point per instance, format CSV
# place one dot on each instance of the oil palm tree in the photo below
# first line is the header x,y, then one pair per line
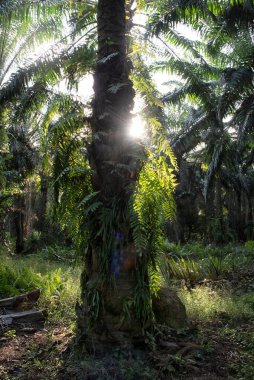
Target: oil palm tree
x,y
121,211
217,74
27,77
115,163
21,165
112,191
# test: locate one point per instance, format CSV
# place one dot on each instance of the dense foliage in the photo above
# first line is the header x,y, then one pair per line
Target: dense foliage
x,y
190,178
133,216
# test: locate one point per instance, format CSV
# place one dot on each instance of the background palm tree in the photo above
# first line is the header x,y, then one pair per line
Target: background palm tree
x,y
216,74
29,78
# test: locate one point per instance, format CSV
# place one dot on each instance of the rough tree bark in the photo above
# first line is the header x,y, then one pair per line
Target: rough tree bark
x,y
114,174
116,296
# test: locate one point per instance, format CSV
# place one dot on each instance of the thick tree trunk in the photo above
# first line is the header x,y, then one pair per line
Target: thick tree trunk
x,y
116,305
109,280
113,102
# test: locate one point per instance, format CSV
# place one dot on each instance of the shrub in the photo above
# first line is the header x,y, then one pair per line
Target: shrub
x,y
203,304
58,282
249,246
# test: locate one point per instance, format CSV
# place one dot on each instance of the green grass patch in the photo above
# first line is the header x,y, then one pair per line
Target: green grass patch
x,y
204,304
193,263
58,281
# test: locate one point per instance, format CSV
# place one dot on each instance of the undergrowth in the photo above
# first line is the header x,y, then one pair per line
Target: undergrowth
x,y
215,283
193,263
58,281
218,306
203,304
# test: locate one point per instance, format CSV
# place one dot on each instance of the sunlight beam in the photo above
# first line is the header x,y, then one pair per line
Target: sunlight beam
x,y
137,128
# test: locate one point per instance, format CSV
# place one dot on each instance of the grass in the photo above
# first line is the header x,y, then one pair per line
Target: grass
x,y
58,281
117,365
225,322
193,263
221,312
216,286
204,304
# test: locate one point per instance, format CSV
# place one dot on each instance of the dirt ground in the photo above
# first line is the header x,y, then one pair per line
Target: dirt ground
x,y
199,354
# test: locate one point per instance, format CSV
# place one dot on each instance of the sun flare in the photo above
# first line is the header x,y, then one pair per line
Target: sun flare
x,y
137,128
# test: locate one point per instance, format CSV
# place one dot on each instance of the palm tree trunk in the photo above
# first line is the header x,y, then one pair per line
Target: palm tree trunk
x,y
28,209
114,175
43,203
239,216
19,223
219,233
231,205
113,101
249,219
209,215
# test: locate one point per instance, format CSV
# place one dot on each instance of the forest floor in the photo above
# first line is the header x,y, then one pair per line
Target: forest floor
x,y
218,344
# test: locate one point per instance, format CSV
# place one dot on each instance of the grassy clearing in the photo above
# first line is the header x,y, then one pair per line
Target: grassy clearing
x,y
222,311
193,263
203,304
58,281
216,286
226,318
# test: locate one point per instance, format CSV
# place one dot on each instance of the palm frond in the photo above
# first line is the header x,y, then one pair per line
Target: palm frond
x,y
236,82
48,67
